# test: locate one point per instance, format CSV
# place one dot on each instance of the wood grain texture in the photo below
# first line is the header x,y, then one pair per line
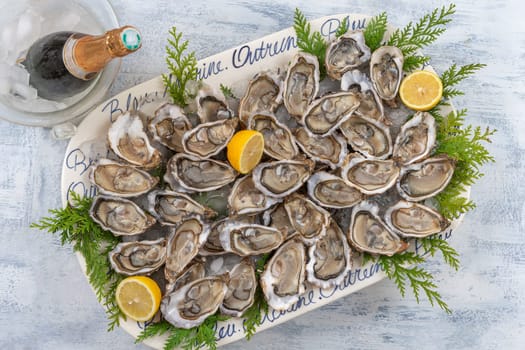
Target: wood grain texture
x,y
46,303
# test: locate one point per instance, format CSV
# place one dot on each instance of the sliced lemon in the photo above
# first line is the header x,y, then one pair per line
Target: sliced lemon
x,y
138,297
245,150
421,90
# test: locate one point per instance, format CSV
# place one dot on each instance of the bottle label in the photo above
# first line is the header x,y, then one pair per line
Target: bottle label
x,y
131,39
70,63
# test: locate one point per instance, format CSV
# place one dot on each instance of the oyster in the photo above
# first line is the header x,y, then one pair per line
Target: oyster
x,y
371,105
128,140
330,149
206,140
121,180
190,305
301,84
249,239
241,289
194,271
368,233
189,174
329,258
279,179
262,95
370,176
170,208
184,243
211,105
386,71
328,112
278,140
282,280
416,139
138,258
245,198
423,180
368,137
120,216
277,217
347,52
331,191
168,126
414,220
308,219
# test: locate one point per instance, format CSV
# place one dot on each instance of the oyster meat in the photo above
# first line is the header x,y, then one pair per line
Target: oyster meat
x,y
282,280
331,191
126,137
194,271
368,233
120,216
423,180
241,289
416,139
189,174
208,139
278,139
301,84
370,176
211,105
371,105
249,239
168,126
213,246
170,208
386,71
308,219
331,149
190,305
245,198
184,243
411,219
329,258
138,258
264,94
122,180
347,52
277,217
368,137
279,179
328,112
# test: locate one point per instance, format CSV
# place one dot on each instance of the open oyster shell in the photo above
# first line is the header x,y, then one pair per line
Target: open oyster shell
x,y
301,83
329,258
308,219
190,174
264,94
279,179
331,191
416,139
279,142
168,126
241,289
386,71
277,217
171,208
347,52
331,149
282,280
126,137
193,271
120,216
368,232
368,137
122,180
245,198
423,180
208,139
249,239
371,105
190,305
138,258
211,105
370,176
411,219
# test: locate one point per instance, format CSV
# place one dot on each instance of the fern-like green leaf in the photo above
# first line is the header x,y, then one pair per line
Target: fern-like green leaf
x,y
375,31
342,28
310,41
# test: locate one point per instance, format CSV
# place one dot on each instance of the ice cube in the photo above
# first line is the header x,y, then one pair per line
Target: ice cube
x,y
28,30
67,20
25,92
63,131
19,74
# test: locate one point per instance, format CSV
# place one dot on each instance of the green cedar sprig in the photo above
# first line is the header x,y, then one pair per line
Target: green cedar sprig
x,y
75,226
454,75
375,31
182,68
253,316
309,41
415,36
227,91
434,244
342,28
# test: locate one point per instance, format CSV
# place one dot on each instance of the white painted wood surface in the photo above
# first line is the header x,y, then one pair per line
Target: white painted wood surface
x,y
46,303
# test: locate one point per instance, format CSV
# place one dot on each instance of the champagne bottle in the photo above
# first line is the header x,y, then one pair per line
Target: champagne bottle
x,y
63,64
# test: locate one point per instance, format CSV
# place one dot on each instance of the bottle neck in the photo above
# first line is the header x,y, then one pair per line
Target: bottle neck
x,y
86,55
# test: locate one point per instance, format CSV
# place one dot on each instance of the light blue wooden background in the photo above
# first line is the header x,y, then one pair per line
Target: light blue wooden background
x,y
46,303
